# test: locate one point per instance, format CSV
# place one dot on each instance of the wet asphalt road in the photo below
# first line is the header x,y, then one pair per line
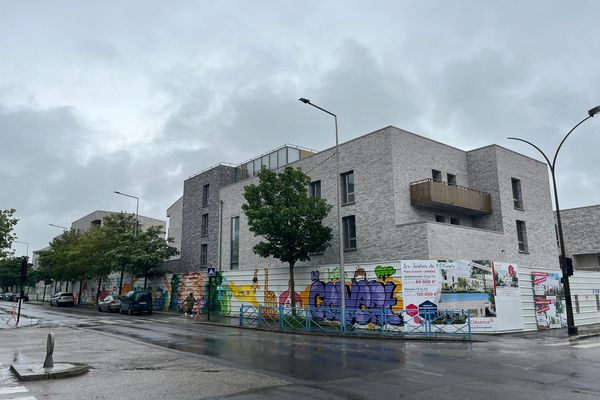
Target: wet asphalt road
x,y
318,367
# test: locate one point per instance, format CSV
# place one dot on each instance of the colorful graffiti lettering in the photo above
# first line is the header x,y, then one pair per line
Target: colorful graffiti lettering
x,y
362,296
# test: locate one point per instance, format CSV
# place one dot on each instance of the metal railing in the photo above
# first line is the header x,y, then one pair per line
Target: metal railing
x,y
361,321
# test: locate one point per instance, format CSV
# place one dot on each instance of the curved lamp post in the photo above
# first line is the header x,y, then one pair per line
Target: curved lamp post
x,y
339,216
137,207
572,329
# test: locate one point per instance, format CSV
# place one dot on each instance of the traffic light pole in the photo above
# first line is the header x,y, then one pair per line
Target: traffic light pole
x,y
23,279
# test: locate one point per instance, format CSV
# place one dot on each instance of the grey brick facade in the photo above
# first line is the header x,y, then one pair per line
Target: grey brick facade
x,y
581,230
192,238
385,162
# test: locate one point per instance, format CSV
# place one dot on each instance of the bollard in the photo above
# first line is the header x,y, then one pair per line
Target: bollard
x,y
49,362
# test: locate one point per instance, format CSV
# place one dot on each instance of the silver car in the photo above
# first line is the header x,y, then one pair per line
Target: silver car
x,y
110,304
62,299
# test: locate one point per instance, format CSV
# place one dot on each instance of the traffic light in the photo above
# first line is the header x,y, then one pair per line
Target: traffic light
x,y
24,269
569,266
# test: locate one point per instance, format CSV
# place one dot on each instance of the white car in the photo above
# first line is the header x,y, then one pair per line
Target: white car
x,y
62,299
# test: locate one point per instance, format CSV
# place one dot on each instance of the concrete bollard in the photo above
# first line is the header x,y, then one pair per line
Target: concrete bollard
x,y
49,362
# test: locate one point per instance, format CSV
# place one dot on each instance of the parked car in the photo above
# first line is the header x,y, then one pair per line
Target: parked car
x,y
15,297
136,301
110,303
62,299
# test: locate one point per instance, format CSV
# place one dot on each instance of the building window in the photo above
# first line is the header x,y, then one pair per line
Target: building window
x,y
347,187
598,302
281,157
451,179
205,193
517,194
576,303
235,243
273,160
454,221
315,189
257,166
437,175
522,236
250,169
349,226
440,218
293,155
203,255
204,231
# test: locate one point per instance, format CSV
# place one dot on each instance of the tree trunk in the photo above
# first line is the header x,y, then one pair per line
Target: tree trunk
x,y
145,281
44,295
121,283
98,291
292,290
79,295
67,287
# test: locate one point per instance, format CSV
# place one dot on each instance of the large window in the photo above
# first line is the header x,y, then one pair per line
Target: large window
x,y
440,218
293,154
273,160
204,230
205,194
349,226
522,236
281,157
517,194
235,243
454,221
451,179
315,189
436,175
347,187
203,255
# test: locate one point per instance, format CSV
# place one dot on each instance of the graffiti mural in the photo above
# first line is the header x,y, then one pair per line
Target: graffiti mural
x,y
361,295
246,292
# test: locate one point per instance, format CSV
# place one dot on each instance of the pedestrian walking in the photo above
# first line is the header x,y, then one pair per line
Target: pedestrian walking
x,y
188,305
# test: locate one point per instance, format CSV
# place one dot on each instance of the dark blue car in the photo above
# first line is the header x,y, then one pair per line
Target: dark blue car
x,y
137,301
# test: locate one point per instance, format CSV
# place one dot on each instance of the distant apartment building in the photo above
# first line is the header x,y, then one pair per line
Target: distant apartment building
x,y
581,230
96,219
403,197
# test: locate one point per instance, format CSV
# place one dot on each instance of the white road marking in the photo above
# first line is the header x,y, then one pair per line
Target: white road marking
x,y
22,398
423,372
14,389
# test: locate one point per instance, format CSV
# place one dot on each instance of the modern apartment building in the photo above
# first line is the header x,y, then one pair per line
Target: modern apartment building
x,y
96,219
581,230
403,197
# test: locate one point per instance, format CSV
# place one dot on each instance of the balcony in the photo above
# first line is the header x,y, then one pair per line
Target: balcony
x,y
440,195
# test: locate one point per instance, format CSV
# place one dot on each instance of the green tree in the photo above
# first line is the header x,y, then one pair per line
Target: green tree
x,y
280,210
10,272
150,250
63,261
7,236
120,230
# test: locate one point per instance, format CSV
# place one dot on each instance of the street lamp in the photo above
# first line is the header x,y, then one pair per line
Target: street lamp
x,y
64,228
137,207
572,329
339,215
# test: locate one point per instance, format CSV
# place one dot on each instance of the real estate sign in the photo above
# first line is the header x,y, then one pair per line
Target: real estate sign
x,y
548,297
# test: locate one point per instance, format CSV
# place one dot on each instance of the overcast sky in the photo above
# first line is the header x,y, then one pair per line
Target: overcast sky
x,y
137,96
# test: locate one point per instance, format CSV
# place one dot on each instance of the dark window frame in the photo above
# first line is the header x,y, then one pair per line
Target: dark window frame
x,y
517,193
348,197
451,179
436,175
204,225
522,236
315,189
454,221
234,240
440,218
203,255
205,195
349,228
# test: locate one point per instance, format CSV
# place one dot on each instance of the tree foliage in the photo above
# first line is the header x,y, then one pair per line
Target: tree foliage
x,y
95,254
10,272
7,236
280,210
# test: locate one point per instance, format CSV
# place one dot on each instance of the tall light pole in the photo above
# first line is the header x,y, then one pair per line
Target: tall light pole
x,y
572,329
339,216
137,207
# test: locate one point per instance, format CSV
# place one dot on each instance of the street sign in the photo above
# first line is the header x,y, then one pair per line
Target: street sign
x,y
428,310
211,271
